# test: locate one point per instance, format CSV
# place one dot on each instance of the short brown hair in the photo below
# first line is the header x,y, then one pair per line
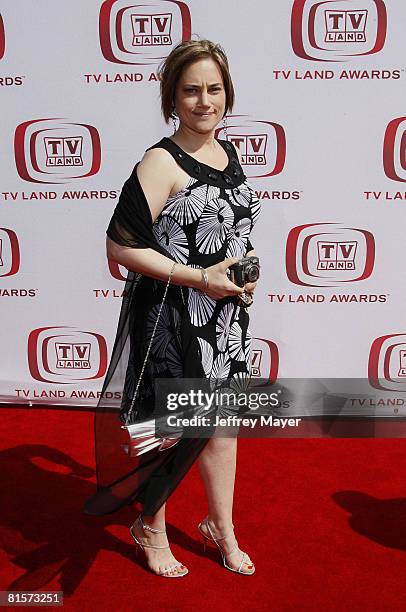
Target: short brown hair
x,y
181,56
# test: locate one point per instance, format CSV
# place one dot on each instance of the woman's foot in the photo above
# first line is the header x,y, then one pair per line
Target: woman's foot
x,y
160,560
235,558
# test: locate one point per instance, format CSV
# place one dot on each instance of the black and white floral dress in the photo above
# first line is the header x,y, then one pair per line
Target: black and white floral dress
x,y
206,222
196,337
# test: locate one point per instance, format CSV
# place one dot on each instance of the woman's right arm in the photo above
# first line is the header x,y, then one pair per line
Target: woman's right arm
x,y
151,263
156,174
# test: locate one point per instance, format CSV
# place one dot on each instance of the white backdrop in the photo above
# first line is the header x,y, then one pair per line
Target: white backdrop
x,y
320,114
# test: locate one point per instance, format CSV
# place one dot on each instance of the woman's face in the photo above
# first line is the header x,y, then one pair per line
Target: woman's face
x,y
200,97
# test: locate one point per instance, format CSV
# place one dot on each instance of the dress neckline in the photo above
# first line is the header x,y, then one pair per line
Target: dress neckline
x,y
231,177
196,161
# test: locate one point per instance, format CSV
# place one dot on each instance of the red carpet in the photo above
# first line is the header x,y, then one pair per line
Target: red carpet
x,y
323,519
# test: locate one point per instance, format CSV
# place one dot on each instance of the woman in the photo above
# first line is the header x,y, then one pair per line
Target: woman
x,y
187,201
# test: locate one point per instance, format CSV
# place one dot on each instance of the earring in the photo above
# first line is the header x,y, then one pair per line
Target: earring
x,y
225,127
174,117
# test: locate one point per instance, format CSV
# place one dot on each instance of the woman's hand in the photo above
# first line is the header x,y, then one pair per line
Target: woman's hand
x,y
219,284
250,287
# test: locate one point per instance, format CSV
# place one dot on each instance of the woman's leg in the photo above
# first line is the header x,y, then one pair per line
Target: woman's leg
x,y
158,560
217,465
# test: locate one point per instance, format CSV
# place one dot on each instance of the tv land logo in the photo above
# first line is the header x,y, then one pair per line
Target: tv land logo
x,y
262,144
345,26
65,151
394,150
387,363
338,255
9,252
56,151
402,364
142,33
151,30
329,254
65,355
336,30
264,360
72,355
2,38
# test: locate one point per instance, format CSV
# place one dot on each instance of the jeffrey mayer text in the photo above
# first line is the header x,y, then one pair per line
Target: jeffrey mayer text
x,y
232,421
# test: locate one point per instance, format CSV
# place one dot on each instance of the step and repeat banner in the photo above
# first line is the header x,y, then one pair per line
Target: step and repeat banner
x,y
320,120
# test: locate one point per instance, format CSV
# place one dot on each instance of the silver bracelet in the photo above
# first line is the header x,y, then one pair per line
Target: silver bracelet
x,y
172,270
205,278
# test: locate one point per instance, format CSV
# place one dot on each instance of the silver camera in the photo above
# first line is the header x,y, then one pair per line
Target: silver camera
x,y
245,271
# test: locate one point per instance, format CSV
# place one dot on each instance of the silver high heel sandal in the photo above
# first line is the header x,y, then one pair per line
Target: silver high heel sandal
x,y
211,538
142,545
